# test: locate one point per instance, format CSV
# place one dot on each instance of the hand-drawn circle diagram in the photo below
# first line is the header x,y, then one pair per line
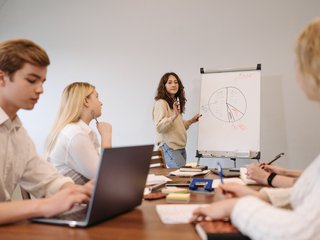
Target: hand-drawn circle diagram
x,y
228,104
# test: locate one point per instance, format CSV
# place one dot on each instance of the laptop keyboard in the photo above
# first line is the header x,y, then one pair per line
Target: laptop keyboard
x,y
77,213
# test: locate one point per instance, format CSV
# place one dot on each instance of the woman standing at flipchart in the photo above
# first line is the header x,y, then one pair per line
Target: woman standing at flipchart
x,y
167,117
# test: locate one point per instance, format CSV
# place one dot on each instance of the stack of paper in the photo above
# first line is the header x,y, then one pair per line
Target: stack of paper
x,y
188,174
156,179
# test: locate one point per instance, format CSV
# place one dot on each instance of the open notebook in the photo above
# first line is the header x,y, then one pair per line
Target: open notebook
x,y
118,187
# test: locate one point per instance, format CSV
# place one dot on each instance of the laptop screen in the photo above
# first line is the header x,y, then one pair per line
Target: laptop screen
x,y
119,185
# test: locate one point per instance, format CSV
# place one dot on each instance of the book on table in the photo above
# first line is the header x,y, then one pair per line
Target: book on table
x,y
218,229
193,169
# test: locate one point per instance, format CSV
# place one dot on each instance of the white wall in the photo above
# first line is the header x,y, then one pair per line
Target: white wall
x,y
123,47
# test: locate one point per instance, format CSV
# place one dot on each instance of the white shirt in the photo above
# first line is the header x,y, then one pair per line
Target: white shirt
x,y
260,220
77,148
20,164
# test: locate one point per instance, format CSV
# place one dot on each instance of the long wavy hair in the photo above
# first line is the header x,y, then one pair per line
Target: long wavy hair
x,y
70,110
163,94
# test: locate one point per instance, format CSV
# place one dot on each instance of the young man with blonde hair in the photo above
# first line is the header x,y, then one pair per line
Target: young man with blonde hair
x,y
23,69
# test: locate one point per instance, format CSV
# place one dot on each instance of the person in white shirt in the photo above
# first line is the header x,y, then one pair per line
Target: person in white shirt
x,y
23,69
260,215
72,146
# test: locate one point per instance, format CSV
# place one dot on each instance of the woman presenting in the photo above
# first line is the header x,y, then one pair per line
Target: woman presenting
x,y
167,117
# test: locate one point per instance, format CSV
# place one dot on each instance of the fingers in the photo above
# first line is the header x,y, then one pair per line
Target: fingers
x,y
90,185
197,215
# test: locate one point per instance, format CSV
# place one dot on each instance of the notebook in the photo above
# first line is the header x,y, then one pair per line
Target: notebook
x,y
118,187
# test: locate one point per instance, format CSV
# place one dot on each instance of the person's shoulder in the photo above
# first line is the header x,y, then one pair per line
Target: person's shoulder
x,y
72,129
161,102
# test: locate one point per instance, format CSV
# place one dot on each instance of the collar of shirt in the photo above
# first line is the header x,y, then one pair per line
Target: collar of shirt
x,y
84,126
7,122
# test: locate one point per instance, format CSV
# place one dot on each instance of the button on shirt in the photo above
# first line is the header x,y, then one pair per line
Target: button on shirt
x,y
20,164
76,149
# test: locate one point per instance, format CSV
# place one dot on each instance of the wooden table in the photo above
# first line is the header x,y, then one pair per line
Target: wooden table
x,y
140,223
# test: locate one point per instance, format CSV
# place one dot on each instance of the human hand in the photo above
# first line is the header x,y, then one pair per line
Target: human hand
x,y
274,168
89,186
215,211
105,130
176,108
256,173
63,200
195,118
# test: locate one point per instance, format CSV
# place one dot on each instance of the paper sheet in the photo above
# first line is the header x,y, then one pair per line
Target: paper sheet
x,y
156,179
176,213
217,182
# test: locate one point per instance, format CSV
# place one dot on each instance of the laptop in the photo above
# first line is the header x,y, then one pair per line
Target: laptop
x,y
119,187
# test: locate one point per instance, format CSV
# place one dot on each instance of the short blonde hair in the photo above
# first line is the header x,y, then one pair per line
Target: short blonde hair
x,y
70,110
308,56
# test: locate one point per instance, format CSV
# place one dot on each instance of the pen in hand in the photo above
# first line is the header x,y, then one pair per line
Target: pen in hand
x,y
273,160
221,176
92,113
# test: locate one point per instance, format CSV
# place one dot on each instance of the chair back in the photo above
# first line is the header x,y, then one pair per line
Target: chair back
x,y
157,159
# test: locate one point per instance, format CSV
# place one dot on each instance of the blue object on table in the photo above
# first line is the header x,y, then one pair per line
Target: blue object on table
x,y
201,185
220,172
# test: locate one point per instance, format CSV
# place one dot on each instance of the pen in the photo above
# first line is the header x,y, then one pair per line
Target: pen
x,y
220,172
178,103
221,176
92,113
275,158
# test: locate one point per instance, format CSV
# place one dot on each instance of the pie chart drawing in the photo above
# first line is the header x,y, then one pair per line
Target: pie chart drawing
x,y
227,104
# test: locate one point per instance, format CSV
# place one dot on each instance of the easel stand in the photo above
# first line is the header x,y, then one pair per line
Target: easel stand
x,y
199,156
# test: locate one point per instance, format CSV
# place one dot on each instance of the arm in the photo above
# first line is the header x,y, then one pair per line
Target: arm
x,y
263,221
222,209
161,116
193,120
84,156
255,172
281,171
47,207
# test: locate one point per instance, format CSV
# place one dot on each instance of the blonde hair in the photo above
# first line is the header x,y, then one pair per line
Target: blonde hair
x,y
308,56
70,110
15,53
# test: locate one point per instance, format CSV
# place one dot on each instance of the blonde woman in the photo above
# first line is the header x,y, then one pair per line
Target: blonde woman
x,y
72,146
261,215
